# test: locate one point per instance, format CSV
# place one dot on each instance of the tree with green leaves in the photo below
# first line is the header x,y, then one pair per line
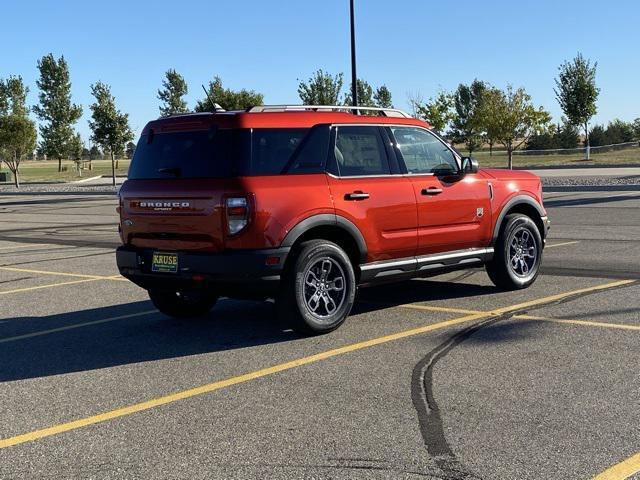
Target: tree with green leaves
x,y
321,89
174,88
636,129
567,135
76,147
577,93
110,127
365,94
382,97
619,131
56,112
464,126
598,136
130,150
510,117
438,111
17,130
228,99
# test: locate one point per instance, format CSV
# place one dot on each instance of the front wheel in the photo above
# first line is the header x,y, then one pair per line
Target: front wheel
x,y
518,254
183,304
318,288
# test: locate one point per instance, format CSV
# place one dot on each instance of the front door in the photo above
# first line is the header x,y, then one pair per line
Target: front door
x,y
453,209
368,190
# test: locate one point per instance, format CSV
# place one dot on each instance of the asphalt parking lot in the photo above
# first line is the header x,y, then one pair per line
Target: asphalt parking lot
x,y
445,378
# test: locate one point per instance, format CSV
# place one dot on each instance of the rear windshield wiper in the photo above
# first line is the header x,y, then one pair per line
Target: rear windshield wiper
x,y
175,171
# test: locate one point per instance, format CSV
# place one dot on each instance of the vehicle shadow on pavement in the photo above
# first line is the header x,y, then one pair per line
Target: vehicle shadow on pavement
x,y
142,338
412,291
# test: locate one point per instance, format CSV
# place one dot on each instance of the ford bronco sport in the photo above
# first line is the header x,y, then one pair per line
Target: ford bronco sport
x,y
306,204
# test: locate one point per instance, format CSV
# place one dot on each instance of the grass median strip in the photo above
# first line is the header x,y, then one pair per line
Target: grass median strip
x,y
217,385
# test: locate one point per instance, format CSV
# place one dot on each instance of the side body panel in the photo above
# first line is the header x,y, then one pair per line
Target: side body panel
x,y
510,188
387,219
280,202
457,218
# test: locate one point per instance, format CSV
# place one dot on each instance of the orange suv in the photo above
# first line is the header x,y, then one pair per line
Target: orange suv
x,y
304,204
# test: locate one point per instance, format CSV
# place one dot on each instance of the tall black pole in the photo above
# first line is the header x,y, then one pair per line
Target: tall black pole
x,y
354,76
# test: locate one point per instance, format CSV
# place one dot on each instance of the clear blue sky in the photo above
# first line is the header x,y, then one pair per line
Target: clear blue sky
x,y
409,45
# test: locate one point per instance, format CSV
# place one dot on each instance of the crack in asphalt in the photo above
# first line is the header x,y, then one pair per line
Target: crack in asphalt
x,y
429,413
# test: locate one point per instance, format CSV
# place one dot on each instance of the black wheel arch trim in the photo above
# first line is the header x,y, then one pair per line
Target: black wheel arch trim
x,y
327,219
515,201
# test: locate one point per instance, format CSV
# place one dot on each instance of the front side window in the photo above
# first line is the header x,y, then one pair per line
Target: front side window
x,y
360,151
423,152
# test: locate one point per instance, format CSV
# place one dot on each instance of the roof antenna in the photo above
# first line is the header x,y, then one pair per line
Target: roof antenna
x,y
216,107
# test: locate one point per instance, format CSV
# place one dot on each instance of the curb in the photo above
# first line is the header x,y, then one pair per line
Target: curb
x,y
84,180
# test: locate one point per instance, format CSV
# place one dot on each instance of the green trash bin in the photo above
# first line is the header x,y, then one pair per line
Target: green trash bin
x,y
5,177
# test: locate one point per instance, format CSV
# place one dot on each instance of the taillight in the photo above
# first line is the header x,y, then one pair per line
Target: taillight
x,y
237,214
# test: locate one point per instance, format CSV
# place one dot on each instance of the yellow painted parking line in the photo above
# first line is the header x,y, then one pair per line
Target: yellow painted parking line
x,y
211,387
429,308
586,323
75,325
50,285
62,274
561,244
560,296
18,247
622,470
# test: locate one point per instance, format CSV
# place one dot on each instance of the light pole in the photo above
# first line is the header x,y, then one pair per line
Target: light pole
x,y
354,76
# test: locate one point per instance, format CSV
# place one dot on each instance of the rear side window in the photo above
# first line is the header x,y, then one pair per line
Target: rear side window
x,y
360,151
311,155
193,154
229,153
271,149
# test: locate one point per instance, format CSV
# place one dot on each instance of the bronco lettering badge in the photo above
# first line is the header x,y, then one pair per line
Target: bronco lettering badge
x,y
163,205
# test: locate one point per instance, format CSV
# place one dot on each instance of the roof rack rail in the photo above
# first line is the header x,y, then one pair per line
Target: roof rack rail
x,y
387,112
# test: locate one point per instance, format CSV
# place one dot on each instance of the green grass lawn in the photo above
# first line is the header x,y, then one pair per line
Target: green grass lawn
x,y
499,159
47,171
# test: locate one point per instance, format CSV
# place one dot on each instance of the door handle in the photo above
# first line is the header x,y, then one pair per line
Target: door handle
x,y
431,191
356,196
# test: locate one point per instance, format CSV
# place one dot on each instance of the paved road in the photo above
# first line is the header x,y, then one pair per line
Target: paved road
x,y
442,378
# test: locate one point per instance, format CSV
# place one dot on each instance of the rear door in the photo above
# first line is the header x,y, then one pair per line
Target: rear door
x,y
453,210
368,190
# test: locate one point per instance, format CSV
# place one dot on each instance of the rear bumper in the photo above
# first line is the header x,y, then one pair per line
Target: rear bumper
x,y
244,272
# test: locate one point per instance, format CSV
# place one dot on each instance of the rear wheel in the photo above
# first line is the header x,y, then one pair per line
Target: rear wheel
x,y
183,304
518,254
319,288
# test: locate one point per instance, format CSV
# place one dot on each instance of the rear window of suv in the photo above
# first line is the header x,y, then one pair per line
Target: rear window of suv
x,y
227,153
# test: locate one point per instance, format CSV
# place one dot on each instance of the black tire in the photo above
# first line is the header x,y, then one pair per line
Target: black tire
x,y
512,267
183,304
305,285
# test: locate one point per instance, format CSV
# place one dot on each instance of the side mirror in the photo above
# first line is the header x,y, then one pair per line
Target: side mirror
x,y
469,165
